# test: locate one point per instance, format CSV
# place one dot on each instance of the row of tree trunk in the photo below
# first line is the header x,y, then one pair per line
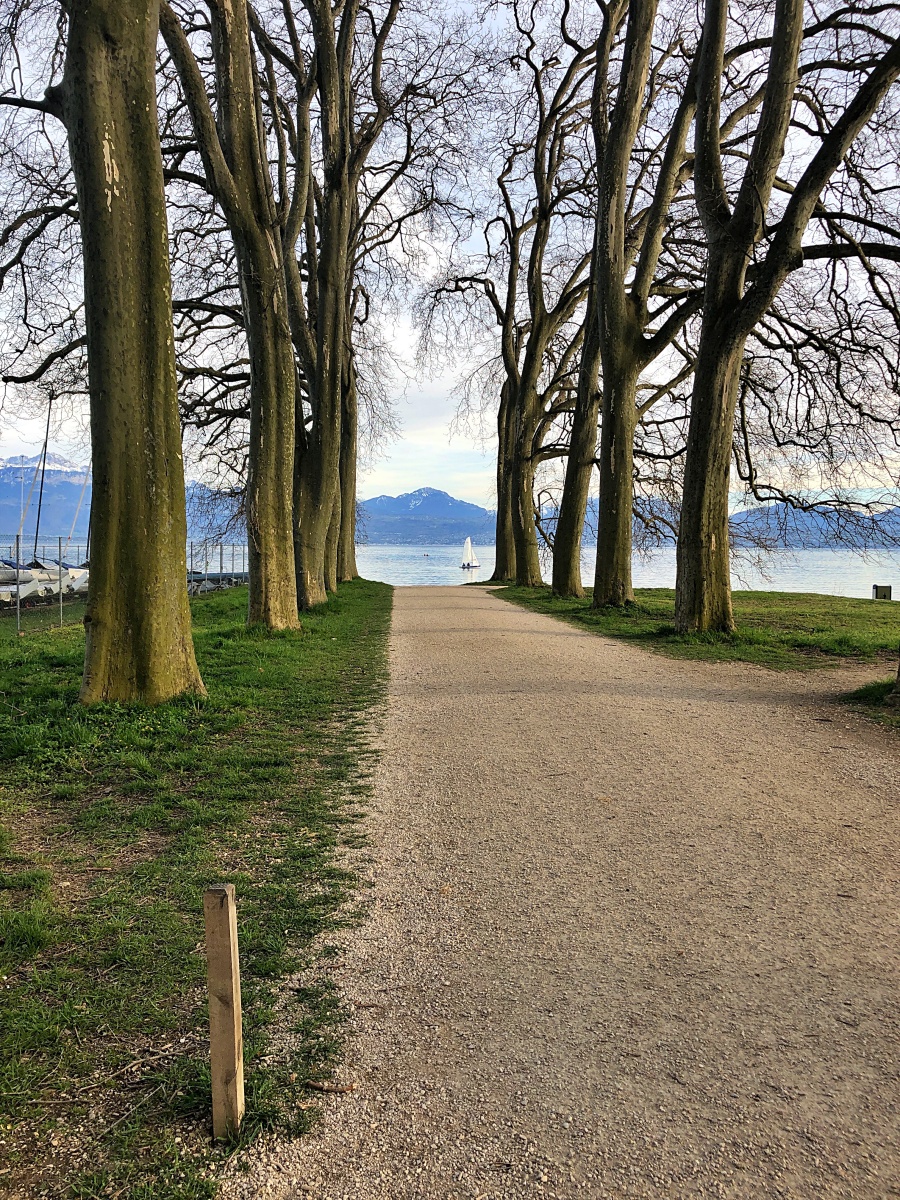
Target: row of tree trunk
x,y
301,484
617,344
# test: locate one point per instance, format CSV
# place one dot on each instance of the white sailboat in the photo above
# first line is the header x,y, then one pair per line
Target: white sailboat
x,y
469,558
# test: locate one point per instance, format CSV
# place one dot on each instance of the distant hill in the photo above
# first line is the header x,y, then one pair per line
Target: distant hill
x,y
788,528
63,482
424,517
208,511
797,530
427,516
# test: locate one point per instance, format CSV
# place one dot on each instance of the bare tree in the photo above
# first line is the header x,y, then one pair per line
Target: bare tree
x,y
232,146
138,625
640,123
532,274
750,250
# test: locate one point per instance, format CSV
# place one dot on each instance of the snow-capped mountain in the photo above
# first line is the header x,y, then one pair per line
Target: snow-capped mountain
x,y
20,479
58,469
425,502
424,517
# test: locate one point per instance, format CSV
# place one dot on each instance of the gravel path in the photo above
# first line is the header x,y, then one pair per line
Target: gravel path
x,y
633,931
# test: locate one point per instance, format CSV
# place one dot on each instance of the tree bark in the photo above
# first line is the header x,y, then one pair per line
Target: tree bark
x,y
349,438
621,315
528,562
703,581
730,308
703,578
320,466
332,540
504,538
580,463
138,622
612,577
236,164
273,592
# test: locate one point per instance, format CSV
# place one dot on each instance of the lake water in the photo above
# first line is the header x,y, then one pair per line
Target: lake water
x,y
831,572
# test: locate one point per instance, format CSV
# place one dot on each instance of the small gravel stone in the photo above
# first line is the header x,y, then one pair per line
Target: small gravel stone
x,y
632,931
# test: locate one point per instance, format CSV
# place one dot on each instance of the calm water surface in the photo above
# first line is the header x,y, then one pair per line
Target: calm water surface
x,y
832,572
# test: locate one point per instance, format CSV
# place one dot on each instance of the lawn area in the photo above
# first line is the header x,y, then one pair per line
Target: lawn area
x,y
873,701
43,616
114,819
784,630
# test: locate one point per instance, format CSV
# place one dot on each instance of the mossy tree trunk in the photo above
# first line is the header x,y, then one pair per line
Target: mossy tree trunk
x,y
346,568
580,463
528,562
138,623
235,158
612,576
504,538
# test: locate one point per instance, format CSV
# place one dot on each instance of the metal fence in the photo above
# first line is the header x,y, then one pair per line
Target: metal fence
x,y
44,583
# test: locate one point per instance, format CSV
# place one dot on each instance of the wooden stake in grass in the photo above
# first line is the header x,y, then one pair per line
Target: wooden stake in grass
x,y
225,1039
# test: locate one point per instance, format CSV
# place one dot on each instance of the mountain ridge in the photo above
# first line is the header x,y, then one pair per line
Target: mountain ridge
x,y
424,516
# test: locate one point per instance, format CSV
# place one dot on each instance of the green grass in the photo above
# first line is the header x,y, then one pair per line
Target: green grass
x,y
784,630
871,700
114,820
41,616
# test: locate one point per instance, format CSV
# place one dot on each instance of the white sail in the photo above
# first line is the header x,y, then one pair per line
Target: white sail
x,y
468,558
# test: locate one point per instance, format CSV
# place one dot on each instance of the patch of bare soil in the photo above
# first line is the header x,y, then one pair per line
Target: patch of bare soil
x,y
633,931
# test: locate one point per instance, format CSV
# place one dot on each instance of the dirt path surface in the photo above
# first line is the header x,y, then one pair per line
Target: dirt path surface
x,y
633,930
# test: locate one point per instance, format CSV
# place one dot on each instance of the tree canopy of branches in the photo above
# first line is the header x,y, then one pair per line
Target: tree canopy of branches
x,y
664,239
300,149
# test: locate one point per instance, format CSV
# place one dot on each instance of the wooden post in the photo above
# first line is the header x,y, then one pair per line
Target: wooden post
x,y
225,1039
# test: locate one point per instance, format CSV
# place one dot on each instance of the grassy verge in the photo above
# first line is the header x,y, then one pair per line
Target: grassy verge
x,y
785,630
871,701
114,819
43,616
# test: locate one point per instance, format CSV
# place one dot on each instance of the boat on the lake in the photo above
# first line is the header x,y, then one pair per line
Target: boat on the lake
x,y
469,558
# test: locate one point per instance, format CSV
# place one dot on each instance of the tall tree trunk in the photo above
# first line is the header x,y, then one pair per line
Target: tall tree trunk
x,y
580,464
234,155
349,437
703,581
320,467
619,316
528,562
138,622
273,590
612,576
504,538
332,541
